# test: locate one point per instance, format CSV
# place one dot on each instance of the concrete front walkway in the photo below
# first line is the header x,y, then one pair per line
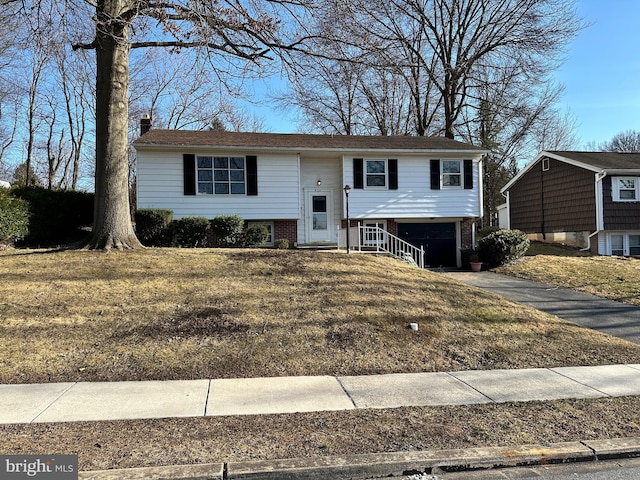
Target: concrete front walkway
x,y
67,402
606,316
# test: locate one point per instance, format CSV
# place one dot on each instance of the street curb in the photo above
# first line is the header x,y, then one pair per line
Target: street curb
x,y
379,465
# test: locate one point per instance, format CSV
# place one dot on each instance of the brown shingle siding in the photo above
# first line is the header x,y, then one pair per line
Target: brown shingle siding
x,y
618,215
561,199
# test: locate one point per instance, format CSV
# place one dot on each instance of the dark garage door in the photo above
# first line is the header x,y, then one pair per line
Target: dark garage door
x,y
438,239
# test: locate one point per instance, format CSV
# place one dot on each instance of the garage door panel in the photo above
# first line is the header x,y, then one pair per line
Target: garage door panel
x,y
438,239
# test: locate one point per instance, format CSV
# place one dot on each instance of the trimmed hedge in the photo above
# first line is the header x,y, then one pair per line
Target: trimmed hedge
x,y
502,247
255,236
56,215
153,226
14,217
191,232
227,230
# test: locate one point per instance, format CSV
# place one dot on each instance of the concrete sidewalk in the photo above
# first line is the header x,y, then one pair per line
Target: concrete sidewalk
x,y
606,316
68,402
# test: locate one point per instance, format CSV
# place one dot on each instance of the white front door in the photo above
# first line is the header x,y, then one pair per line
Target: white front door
x,y
319,217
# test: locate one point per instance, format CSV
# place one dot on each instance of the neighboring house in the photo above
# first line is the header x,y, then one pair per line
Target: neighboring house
x,y
427,191
587,199
5,184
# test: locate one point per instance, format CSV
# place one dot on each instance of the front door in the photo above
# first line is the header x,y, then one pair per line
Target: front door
x,y
319,217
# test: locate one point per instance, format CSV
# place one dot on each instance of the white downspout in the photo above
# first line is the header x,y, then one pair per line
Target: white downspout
x,y
599,220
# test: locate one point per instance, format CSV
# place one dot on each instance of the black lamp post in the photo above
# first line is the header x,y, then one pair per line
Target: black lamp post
x,y
347,189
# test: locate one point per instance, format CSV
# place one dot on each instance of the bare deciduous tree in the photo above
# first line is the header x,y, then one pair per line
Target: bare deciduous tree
x,y
234,34
623,142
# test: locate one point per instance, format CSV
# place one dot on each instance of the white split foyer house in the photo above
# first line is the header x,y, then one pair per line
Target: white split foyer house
x,y
424,190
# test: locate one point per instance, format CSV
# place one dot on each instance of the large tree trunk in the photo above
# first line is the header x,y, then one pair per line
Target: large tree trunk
x,y
112,227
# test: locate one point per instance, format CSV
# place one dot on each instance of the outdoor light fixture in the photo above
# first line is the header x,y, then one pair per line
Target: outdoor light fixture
x,y
319,182
347,189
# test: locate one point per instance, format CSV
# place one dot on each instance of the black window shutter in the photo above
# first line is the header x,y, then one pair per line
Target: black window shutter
x,y
468,174
189,170
435,174
252,174
358,173
393,174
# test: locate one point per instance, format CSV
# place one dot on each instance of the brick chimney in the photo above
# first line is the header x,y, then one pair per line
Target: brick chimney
x,y
145,124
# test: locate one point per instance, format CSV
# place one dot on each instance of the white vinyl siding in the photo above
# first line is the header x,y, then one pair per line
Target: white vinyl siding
x,y
414,197
160,185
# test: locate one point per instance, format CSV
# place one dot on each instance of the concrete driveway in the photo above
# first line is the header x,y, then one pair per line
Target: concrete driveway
x,y
612,318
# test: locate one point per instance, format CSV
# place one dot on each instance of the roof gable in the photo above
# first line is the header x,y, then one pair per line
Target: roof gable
x,y
602,160
597,162
293,141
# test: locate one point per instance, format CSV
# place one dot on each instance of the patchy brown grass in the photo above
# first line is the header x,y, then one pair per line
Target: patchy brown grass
x,y
615,278
103,445
181,314
184,314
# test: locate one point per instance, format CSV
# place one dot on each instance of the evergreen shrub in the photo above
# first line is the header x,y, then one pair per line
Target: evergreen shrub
x,y
153,226
56,216
14,217
502,247
191,232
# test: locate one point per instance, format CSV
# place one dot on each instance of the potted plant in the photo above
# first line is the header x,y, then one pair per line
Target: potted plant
x,y
474,261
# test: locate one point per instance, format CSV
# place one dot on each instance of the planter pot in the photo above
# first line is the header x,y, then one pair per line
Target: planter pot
x,y
476,266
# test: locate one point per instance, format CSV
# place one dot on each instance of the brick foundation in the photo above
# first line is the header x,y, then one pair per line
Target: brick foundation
x,y
286,229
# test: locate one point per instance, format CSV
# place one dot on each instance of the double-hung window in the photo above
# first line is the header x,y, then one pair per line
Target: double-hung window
x,y
626,189
451,173
623,244
376,173
221,175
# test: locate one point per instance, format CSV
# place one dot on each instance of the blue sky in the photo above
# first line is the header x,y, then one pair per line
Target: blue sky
x,y
601,74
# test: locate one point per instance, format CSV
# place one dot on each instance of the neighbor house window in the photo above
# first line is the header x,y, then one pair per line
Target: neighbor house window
x,y
376,173
221,175
617,244
269,227
625,244
451,173
634,245
625,189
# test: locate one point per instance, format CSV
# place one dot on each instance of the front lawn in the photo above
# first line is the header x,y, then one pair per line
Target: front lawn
x,y
184,314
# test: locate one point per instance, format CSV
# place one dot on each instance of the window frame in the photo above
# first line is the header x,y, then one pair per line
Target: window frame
x,y
616,189
216,174
627,246
366,174
460,174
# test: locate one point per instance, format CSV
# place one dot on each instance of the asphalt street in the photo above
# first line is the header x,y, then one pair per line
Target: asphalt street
x,y
621,469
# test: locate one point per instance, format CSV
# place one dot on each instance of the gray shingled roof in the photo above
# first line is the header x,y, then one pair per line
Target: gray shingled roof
x,y
298,141
604,160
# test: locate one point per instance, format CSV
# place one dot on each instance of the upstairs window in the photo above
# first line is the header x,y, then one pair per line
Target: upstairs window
x,y
451,173
376,173
625,189
221,175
